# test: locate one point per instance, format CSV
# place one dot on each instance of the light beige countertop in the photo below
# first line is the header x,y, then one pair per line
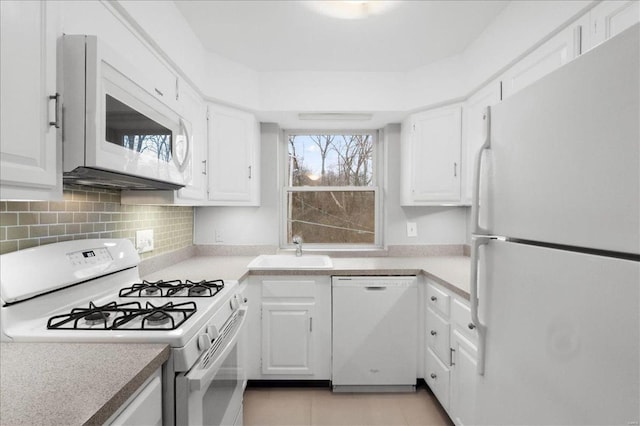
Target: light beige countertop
x,y
451,271
72,383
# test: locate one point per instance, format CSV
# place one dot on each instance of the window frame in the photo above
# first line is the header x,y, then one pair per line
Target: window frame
x,y
376,188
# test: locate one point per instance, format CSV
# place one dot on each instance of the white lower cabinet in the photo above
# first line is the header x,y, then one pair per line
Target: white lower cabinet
x,y
450,353
438,378
462,379
287,340
290,317
144,407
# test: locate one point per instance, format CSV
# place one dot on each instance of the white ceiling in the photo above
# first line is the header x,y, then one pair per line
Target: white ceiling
x,y
289,36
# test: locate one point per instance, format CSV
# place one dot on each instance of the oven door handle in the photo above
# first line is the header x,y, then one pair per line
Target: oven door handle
x,y
201,378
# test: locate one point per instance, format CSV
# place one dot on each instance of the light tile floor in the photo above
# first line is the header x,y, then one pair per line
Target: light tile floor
x,y
304,406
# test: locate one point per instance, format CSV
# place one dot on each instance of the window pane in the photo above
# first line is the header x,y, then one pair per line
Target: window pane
x,y
332,217
331,160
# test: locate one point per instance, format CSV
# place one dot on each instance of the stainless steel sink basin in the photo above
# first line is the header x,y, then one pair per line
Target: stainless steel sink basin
x,y
290,261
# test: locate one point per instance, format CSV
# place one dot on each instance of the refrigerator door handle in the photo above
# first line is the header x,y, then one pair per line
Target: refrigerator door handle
x,y
473,293
475,201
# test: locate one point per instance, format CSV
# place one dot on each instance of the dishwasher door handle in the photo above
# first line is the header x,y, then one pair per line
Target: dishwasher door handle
x,y
375,287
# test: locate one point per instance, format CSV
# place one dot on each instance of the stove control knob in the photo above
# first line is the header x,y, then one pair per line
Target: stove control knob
x,y
204,342
235,303
212,331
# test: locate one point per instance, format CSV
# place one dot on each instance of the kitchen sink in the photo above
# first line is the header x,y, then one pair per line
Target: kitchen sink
x,y
290,261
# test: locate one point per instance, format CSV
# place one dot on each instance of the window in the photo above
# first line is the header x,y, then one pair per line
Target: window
x,y
331,196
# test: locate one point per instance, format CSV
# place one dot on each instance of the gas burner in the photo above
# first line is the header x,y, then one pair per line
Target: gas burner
x,y
173,288
95,318
157,318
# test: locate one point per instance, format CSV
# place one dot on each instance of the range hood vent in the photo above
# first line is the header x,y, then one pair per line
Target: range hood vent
x,y
98,178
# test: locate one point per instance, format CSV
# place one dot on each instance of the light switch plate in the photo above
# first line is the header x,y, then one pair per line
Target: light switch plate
x,y
144,240
412,229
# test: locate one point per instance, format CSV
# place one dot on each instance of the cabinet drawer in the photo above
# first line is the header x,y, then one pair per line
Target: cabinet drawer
x,y
288,289
437,377
461,318
438,334
437,299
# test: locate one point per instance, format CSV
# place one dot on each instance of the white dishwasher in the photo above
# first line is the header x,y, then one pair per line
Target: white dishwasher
x,y
375,334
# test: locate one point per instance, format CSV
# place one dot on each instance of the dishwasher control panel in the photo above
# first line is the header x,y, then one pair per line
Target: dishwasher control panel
x,y
375,281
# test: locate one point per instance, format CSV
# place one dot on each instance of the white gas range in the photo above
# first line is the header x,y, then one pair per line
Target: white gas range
x,y
91,291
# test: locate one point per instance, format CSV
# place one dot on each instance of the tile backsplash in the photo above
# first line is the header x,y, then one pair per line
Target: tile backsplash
x,y
91,213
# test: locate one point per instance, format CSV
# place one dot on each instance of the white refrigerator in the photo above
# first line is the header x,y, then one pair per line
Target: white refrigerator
x,y
556,247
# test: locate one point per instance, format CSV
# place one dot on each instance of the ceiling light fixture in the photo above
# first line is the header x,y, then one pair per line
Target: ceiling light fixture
x,y
335,116
351,9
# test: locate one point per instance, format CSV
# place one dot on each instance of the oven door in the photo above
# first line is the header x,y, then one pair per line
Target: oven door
x,y
211,392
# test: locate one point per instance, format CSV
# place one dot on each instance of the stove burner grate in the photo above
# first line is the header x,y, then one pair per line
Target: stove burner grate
x,y
173,288
113,316
94,315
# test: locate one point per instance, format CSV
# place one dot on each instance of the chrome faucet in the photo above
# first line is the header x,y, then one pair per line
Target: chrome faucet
x,y
297,241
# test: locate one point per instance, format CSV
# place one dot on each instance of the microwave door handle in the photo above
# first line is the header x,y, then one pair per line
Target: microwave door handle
x,y
200,379
183,165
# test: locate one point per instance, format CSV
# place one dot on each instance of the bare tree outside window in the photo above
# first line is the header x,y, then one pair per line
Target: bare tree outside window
x,y
331,198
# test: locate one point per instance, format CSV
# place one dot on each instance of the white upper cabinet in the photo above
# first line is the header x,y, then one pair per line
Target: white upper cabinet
x,y
30,147
430,157
612,17
474,133
234,158
560,49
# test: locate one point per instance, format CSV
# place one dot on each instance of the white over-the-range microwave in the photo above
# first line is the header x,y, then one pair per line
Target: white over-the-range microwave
x,y
115,133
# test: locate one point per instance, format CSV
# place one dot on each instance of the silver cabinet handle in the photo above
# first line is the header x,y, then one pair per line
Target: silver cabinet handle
x,y
204,167
249,172
310,324
455,169
56,122
451,351
433,376
158,92
433,298
434,333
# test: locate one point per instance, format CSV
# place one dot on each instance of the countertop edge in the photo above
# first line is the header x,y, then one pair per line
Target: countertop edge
x,y
116,402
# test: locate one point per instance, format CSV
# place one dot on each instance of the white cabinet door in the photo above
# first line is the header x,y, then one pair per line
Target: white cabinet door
x,y
287,343
233,157
463,380
612,17
473,131
550,56
431,161
30,146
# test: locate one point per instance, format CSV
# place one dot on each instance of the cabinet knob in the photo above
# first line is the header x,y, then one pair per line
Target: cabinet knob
x,y
433,332
471,326
433,298
433,375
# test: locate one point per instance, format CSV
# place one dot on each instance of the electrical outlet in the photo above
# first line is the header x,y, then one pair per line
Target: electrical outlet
x,y
412,229
218,236
144,240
